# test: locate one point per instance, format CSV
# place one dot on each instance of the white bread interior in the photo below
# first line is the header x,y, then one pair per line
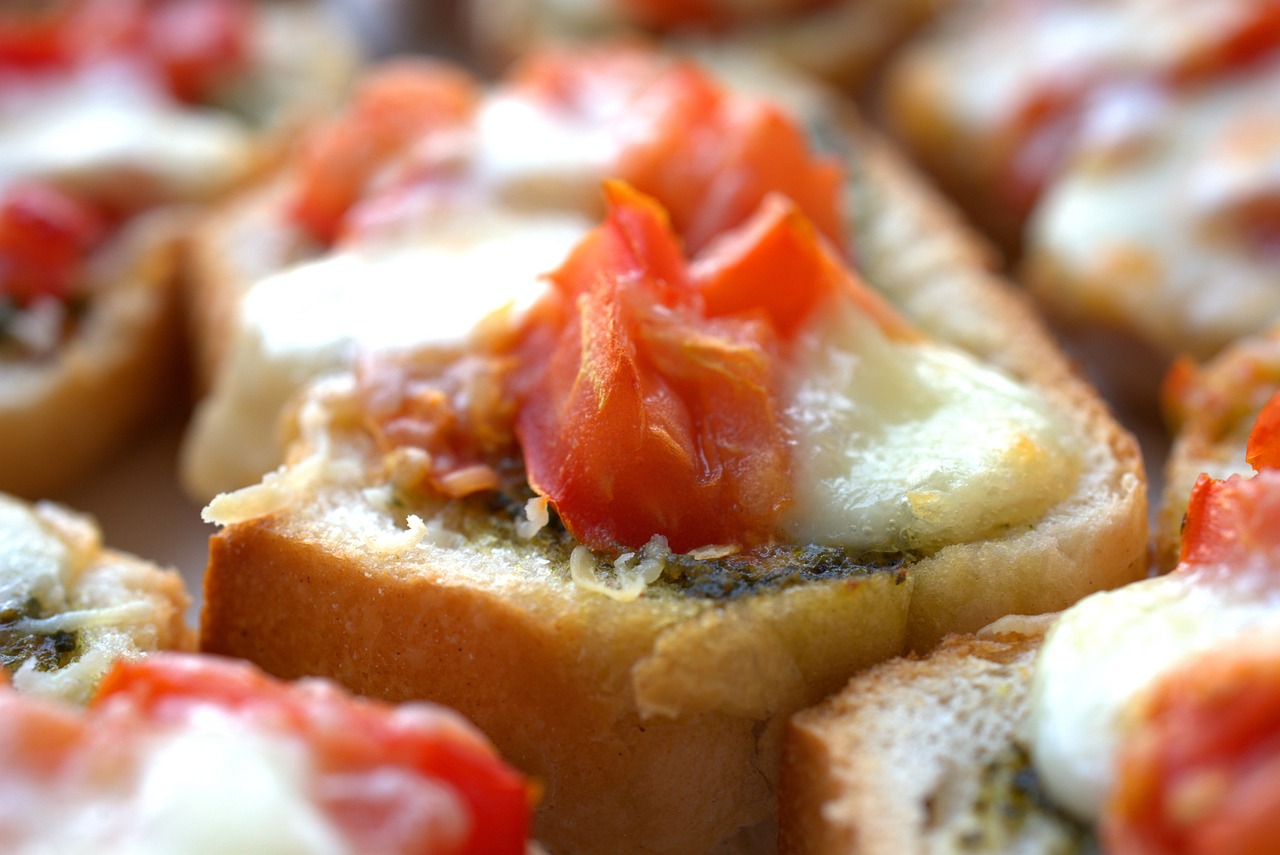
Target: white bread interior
x,y
894,763
655,724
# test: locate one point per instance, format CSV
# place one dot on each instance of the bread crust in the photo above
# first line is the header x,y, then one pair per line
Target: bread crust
x,y
123,366
655,725
878,767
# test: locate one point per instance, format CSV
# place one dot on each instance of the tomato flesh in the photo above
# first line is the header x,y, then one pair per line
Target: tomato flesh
x,y
648,388
1201,773
344,737
401,103
709,156
45,235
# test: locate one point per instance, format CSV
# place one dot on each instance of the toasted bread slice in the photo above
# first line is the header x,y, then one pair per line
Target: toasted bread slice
x,y
72,607
79,378
655,721
64,412
920,755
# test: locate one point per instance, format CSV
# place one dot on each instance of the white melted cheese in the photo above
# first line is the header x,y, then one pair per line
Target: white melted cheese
x,y
54,580
217,788
1108,649
428,293
1061,42
912,446
1149,227
102,127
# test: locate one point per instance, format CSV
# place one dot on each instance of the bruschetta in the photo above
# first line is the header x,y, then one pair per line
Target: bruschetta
x,y
768,420
115,120
1142,719
72,607
187,753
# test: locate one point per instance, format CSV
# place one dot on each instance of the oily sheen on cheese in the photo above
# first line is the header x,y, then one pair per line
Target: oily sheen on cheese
x,y
1105,651
911,446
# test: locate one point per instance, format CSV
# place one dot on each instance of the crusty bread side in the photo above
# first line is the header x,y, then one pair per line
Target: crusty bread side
x,y
655,724
62,416
913,102
893,764
230,247
919,254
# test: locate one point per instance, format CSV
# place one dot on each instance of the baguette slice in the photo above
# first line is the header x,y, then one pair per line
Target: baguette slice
x,y
920,755
655,722
113,137
63,414
72,607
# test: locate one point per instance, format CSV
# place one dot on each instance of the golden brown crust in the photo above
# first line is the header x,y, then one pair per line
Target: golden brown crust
x,y
657,722
860,770
913,103
60,418
560,679
1098,538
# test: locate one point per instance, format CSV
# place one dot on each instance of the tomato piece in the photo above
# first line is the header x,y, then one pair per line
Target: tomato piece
x,y
1200,774
1229,522
1263,448
198,44
32,38
647,392
708,155
775,265
394,107
45,235
346,737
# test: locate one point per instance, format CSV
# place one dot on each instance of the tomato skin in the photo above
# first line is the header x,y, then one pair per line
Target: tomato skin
x,y
198,44
1201,773
709,156
400,103
638,415
1263,448
346,734
45,235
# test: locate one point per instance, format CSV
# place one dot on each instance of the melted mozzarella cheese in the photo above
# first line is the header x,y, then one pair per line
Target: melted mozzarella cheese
x,y
1104,652
430,294
213,789
102,128
1065,43
1151,228
911,446
56,580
